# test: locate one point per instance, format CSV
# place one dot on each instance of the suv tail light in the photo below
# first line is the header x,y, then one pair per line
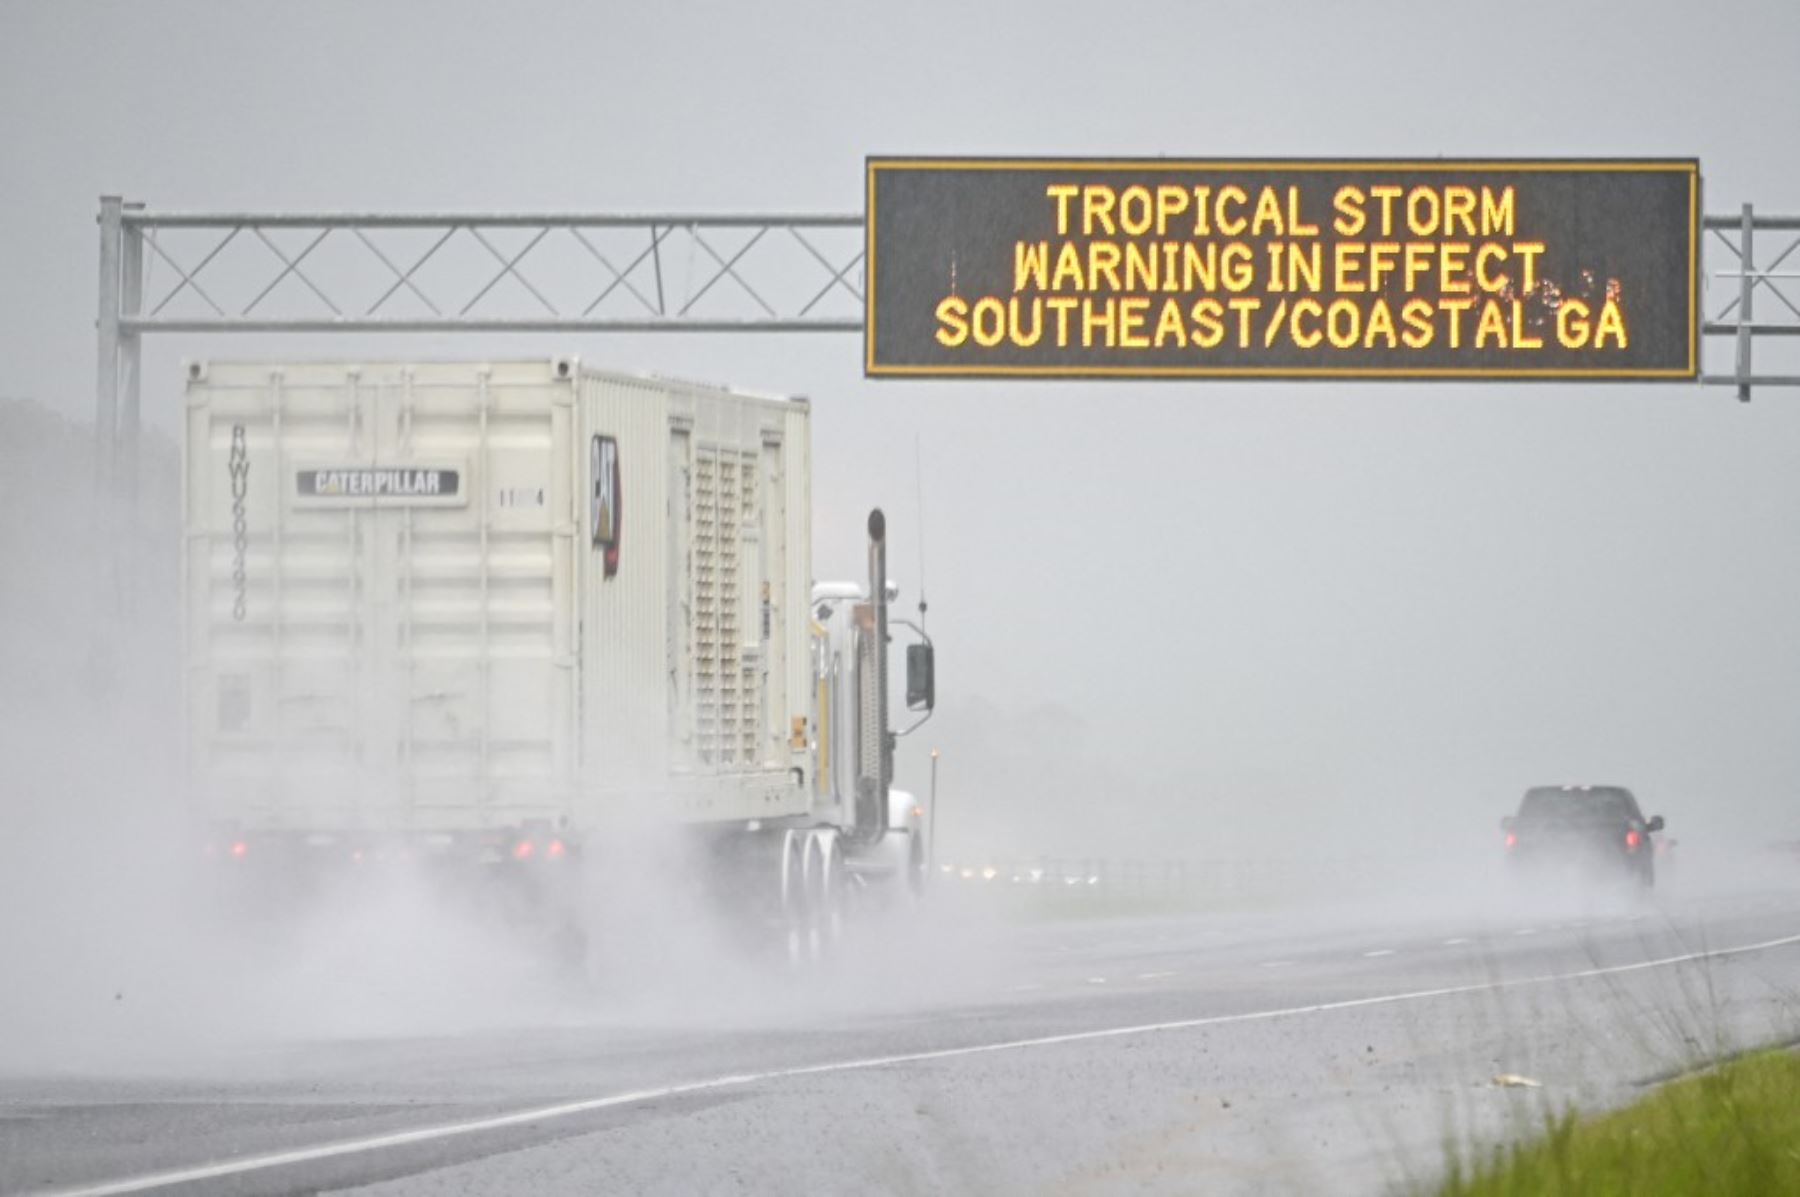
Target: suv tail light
x,y
1632,840
1512,839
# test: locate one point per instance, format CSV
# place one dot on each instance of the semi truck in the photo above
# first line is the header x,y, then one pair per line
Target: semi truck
x,y
493,612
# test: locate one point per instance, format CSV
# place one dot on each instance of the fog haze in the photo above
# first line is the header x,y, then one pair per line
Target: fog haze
x,y
1176,619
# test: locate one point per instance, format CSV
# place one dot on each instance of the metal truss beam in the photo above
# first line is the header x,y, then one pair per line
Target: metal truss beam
x,y
629,273
654,241
1766,268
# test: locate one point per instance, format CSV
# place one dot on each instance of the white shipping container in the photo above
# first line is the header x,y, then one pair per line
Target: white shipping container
x,y
462,596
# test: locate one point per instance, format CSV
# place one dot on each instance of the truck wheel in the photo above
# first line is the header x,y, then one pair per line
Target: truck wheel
x,y
825,892
794,891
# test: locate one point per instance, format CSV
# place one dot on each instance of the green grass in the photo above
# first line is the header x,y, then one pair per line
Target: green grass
x,y
1728,1131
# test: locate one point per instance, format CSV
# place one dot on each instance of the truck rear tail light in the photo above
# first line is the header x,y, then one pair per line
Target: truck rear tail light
x,y
555,850
239,849
1512,839
1632,840
523,850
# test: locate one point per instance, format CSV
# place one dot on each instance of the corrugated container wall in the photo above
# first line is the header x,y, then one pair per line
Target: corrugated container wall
x,y
695,660
452,596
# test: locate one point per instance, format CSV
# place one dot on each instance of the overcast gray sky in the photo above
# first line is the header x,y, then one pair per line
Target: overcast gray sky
x,y
1205,613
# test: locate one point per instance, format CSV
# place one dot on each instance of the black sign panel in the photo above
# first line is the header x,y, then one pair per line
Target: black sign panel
x,y
396,483
1283,269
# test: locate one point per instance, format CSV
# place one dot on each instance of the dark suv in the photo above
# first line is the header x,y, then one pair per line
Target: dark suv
x,y
1582,831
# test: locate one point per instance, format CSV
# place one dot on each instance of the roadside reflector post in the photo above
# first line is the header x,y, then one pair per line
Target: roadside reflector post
x,y
931,829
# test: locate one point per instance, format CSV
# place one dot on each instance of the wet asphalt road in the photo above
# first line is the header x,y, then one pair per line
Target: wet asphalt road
x,y
1249,1053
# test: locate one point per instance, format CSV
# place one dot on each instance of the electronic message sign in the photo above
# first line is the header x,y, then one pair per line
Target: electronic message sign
x,y
1283,269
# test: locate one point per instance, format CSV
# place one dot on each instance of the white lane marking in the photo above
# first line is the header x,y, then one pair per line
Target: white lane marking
x,y
1451,943
1276,963
1526,931
1096,980
1378,952
326,1151
1153,976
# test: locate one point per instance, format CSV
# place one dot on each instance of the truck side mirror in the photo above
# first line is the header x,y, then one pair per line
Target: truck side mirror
x,y
1655,823
921,680
1506,822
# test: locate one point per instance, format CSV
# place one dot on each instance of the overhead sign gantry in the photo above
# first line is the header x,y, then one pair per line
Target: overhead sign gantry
x,y
1632,226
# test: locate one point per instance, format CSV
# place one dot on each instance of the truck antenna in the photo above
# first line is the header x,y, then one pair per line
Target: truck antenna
x,y
919,480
